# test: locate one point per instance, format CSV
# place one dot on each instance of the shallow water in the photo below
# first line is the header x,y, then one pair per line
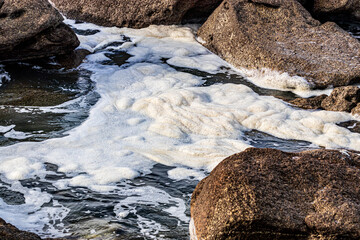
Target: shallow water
x,y
132,131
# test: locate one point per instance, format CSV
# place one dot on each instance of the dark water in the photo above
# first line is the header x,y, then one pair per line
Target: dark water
x,y
26,98
32,87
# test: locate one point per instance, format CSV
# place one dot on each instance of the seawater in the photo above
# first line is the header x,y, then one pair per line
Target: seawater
x,y
152,113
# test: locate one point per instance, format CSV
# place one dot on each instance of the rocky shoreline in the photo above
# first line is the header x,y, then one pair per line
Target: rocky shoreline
x,y
258,193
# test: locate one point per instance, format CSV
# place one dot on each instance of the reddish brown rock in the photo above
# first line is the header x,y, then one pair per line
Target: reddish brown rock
x,y
282,36
269,194
10,232
33,29
134,13
342,99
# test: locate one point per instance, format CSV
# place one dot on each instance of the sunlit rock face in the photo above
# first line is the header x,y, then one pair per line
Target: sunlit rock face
x,y
270,194
282,36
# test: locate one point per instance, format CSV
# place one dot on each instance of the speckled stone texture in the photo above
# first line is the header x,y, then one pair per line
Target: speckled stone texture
x,y
135,13
33,29
342,99
269,194
282,35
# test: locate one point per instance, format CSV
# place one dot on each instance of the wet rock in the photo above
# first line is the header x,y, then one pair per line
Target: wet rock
x,y
270,194
349,7
10,232
353,126
33,29
309,103
134,13
342,99
283,37
72,59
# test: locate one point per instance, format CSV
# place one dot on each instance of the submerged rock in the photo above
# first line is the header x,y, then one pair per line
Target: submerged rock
x,y
270,194
33,29
135,13
281,35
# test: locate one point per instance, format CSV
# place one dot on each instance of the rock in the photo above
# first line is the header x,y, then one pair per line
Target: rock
x,y
135,13
356,110
309,103
33,29
342,99
348,7
260,34
73,59
10,232
269,194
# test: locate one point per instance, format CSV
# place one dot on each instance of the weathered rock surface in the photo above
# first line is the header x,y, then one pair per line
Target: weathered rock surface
x,y
270,194
349,7
309,103
33,29
342,99
135,13
281,35
356,110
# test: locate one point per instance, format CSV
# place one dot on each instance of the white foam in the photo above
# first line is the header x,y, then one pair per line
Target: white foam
x,y
4,129
180,173
150,196
157,114
17,135
4,76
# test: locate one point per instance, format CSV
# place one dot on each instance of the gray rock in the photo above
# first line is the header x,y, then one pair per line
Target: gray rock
x,y
284,38
269,194
135,13
33,29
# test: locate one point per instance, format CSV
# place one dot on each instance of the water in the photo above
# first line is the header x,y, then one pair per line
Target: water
x,y
114,149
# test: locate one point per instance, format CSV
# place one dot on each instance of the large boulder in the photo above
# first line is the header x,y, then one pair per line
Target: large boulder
x,y
269,194
33,29
135,13
281,35
348,7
